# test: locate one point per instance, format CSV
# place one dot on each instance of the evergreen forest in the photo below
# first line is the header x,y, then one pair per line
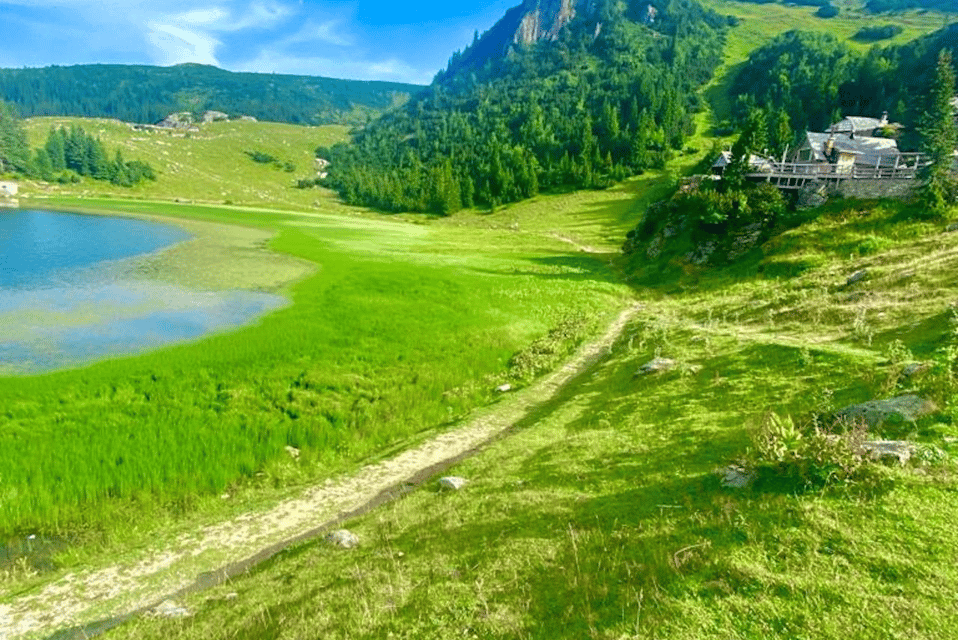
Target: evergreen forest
x,y
615,94
66,155
137,93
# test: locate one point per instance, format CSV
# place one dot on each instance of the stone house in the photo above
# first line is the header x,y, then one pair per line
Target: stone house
x,y
848,150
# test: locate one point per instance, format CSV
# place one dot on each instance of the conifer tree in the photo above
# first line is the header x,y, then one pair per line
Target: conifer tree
x,y
14,152
939,140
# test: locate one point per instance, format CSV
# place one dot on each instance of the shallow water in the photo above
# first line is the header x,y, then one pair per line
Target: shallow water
x,y
69,293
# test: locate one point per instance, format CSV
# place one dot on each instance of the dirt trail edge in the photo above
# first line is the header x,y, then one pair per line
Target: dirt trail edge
x,y
85,603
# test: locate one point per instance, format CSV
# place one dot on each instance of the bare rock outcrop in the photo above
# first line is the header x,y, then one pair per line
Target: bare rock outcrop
x,y
907,408
544,19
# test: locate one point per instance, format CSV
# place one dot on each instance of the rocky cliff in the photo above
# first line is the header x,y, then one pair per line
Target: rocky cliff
x,y
522,25
544,19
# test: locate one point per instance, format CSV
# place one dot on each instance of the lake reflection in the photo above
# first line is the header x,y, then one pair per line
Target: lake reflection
x,y
64,302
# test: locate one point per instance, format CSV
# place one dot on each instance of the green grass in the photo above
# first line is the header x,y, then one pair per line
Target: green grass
x,y
601,517
208,166
403,328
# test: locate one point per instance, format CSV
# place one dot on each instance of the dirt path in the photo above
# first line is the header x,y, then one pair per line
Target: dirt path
x,y
194,561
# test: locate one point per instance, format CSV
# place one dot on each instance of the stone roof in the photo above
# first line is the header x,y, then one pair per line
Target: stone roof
x,y
755,163
862,125
868,151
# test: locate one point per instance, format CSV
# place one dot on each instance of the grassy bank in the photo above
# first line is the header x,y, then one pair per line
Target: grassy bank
x,y
601,516
401,328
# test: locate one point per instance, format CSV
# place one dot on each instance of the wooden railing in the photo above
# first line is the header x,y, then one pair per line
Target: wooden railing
x,y
796,174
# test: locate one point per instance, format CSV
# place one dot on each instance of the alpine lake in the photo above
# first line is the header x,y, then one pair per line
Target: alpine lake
x,y
71,293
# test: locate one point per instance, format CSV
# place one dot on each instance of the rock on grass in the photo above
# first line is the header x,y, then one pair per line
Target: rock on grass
x,y
907,408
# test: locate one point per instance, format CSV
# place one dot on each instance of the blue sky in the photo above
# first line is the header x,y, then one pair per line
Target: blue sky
x,y
360,39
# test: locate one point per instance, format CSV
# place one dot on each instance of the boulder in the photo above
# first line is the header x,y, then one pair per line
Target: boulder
x,y
907,408
342,538
656,365
504,388
813,194
915,368
735,477
214,116
745,240
858,276
889,451
452,483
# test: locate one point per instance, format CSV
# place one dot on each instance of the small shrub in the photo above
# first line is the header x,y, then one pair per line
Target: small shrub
x,y
897,352
260,157
805,457
876,33
827,11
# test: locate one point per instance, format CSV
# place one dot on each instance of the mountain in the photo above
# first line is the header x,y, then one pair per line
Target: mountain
x,y
557,94
146,94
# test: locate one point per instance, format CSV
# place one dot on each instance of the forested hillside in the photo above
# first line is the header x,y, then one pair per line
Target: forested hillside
x,y
612,95
813,79
148,94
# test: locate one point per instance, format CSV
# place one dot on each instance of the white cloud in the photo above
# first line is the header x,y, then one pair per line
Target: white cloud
x,y
269,61
175,45
197,17
334,32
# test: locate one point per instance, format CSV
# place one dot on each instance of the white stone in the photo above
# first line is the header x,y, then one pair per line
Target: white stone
x,y
899,451
856,277
453,483
656,365
169,609
503,388
342,538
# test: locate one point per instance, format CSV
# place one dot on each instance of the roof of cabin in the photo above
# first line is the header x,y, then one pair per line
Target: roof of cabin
x,y
867,150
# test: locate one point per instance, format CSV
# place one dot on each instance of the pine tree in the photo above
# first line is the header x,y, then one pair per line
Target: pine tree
x,y
939,140
754,138
56,149
14,152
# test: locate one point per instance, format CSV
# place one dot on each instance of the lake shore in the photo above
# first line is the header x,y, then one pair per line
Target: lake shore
x,y
219,256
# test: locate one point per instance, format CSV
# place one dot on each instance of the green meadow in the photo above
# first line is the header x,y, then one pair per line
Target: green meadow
x,y
601,515
399,329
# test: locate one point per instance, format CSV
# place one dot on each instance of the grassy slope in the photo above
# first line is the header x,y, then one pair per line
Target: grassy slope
x,y
600,517
208,166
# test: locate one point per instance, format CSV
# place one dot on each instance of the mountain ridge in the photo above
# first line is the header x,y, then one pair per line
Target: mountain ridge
x,y
146,93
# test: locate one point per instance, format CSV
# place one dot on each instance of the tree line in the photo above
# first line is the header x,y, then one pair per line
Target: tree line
x,y
139,93
66,155
610,97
